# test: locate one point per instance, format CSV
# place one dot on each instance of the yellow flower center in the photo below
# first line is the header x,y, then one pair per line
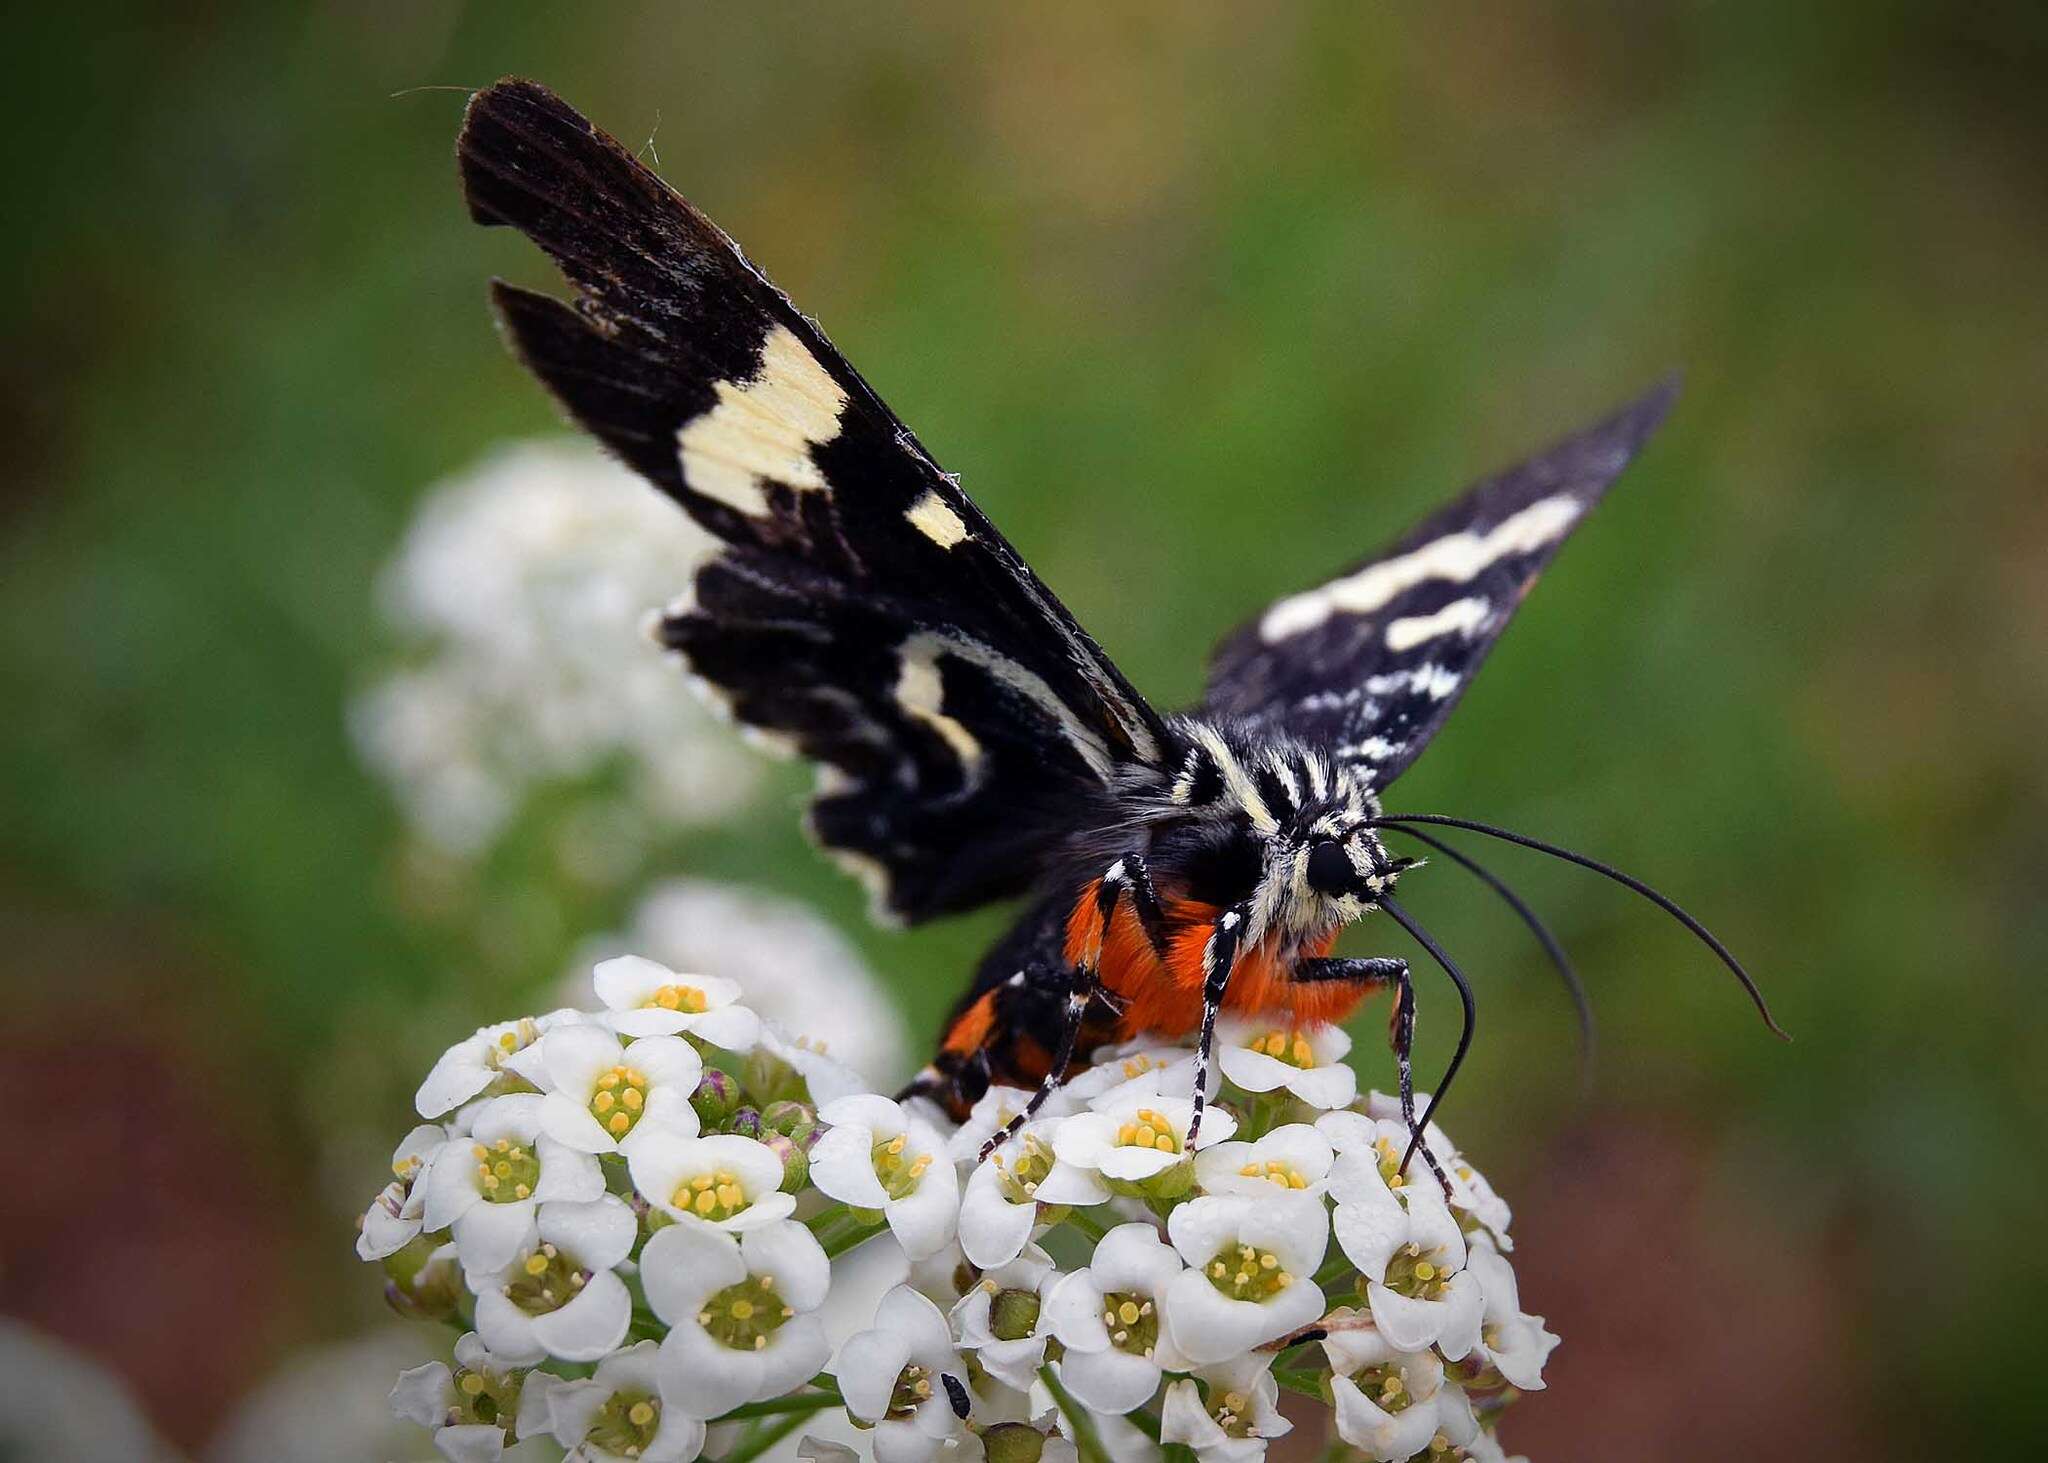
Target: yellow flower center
x,y
1133,1322
618,1099
899,1170
1417,1275
684,998
505,1171
1020,1180
482,1397
1233,1413
625,1425
546,1280
712,1196
1273,1171
522,1035
1149,1128
1289,1047
1245,1272
913,1388
745,1315
1390,1163
1385,1385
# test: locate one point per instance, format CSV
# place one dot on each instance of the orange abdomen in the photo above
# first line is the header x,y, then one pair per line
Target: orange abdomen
x,y
1164,998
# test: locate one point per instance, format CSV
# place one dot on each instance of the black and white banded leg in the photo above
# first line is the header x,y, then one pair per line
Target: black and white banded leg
x,y
1219,959
1130,872
1084,984
1386,970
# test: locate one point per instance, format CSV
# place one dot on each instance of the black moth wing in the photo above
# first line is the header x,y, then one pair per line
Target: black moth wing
x,y
1369,664
864,610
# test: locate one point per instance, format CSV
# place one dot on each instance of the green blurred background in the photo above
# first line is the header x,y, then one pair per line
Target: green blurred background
x,y
1202,302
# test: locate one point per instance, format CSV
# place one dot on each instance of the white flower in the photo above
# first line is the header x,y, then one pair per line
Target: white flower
x,y
824,1450
1294,1157
1470,1191
1252,1277
1005,1191
738,1310
644,998
1404,1241
1392,1403
622,1414
603,1096
1486,1448
1308,1061
1135,1136
478,1061
874,1155
1108,1317
1003,1319
561,1297
1513,1341
488,1188
825,1077
992,1113
471,1407
1239,1418
799,970
1160,1067
722,1179
527,576
894,1377
397,1214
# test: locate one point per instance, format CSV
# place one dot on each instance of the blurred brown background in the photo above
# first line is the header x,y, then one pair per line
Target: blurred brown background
x,y
1202,301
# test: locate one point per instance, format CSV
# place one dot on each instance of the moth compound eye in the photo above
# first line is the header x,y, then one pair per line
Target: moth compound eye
x,y
1329,868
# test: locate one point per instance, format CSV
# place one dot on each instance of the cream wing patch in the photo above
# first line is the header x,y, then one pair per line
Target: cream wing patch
x,y
762,430
1459,617
920,692
1458,557
934,517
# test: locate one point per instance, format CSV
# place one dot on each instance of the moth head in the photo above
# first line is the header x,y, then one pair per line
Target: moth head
x,y
1347,864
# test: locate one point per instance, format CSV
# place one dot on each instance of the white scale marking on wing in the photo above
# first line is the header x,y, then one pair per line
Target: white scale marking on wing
x,y
1460,616
928,645
1459,557
762,430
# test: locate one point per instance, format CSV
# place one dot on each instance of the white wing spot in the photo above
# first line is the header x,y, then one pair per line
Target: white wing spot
x,y
1460,557
934,517
762,430
1460,616
920,692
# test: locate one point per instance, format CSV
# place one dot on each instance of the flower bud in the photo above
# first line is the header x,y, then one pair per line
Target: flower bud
x,y
1012,1442
423,1281
796,1162
716,1096
747,1123
795,1120
1013,1314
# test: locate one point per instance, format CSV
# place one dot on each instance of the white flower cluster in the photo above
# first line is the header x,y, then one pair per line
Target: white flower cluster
x,y
522,584
631,1214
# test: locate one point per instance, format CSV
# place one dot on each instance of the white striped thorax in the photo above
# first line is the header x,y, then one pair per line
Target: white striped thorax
x,y
1323,865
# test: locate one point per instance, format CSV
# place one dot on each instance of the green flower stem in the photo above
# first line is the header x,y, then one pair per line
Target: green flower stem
x,y
1088,1224
767,1437
825,1219
1334,1269
1308,1384
1087,1441
840,1243
1144,1422
826,1394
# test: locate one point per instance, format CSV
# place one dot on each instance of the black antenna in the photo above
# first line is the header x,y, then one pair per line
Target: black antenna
x,y
1436,953
1628,881
1550,943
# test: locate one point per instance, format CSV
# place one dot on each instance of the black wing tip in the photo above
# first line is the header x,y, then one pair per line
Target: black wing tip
x,y
508,108
1634,422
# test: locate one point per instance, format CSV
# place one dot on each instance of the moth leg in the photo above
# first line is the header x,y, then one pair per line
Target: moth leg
x,y
1219,959
1083,984
1130,872
1401,1036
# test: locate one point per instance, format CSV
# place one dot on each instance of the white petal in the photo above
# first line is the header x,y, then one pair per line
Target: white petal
x,y
565,1173
1183,1418
923,1220
867,1368
1369,1233
1073,1310
732,1028
1254,1071
793,1356
1208,1327
1068,1183
912,1316
1361,1423
1324,1087
1465,1306
866,1110
515,1118
451,1186
424,1394
993,1231
843,1168
630,981
507,1329
666,1059
677,1438
592,1325
1109,1380
1407,1323
703,1377
471,1442
570,1123
1135,1165
789,1252
683,1264
1133,1257
575,1055
489,1237
573,1406
598,1234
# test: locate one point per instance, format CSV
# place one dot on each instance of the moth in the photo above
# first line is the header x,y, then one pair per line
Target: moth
x,y
973,743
